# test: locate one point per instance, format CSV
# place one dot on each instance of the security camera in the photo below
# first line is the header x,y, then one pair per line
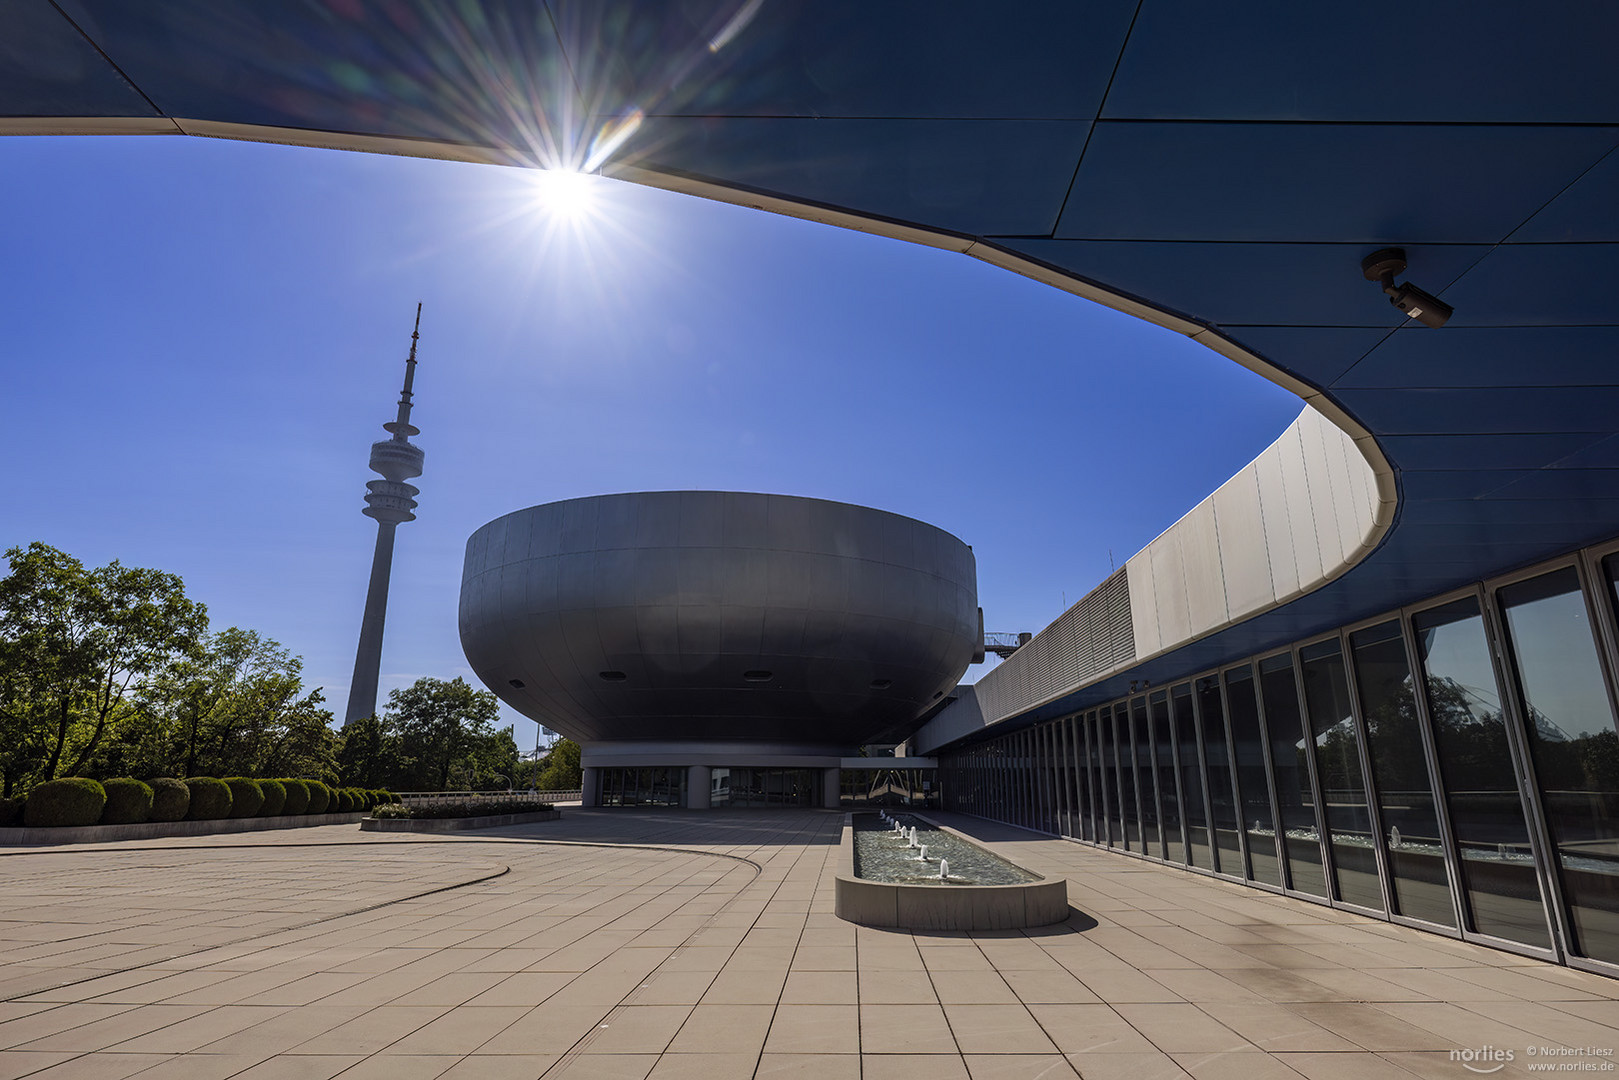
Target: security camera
x,y
1381,266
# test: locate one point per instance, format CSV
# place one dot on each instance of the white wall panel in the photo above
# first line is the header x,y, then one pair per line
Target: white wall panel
x,y
1300,509
1143,603
1284,566
1200,554
1169,589
1322,502
1244,561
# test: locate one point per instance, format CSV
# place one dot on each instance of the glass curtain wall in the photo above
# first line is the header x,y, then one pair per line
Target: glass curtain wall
x,y
1290,767
1193,800
1487,818
1350,831
1569,726
733,786
1456,763
1217,769
643,787
1406,807
1168,795
1248,749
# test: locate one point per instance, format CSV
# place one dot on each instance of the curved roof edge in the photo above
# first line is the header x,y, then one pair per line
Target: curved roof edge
x,y
1195,538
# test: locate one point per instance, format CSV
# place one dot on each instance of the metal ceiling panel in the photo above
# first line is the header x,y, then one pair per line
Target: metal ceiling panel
x,y
1377,184
1317,354
1588,210
1538,285
1507,410
1493,451
1502,356
47,68
1291,284
901,58
970,176
1474,61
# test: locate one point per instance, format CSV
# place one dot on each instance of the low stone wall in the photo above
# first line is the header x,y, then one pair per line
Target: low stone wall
x,y
156,830
944,907
489,821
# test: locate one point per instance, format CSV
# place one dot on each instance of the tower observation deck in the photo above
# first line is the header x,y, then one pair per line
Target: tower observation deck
x,y
390,501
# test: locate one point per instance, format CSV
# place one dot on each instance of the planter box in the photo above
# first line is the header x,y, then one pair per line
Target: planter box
x,y
455,824
155,830
956,907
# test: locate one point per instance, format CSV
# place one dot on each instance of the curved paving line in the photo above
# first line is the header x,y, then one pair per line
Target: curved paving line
x,y
501,872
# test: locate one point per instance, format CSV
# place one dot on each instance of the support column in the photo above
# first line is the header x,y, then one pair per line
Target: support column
x,y
699,782
590,786
831,788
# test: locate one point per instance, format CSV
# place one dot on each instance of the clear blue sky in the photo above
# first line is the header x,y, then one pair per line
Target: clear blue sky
x,y
202,338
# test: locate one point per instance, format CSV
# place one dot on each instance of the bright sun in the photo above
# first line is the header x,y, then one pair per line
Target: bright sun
x,y
565,193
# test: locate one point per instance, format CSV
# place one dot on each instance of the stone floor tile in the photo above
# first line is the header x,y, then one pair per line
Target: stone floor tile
x,y
738,1029
1240,1066
111,1030
373,1031
1276,1027
704,1067
300,1067
500,1067
523,988
914,1067
16,1063
1352,1067
1143,1065
1088,1029
637,1029
460,1031
972,988
814,1029
108,1066
905,1029
809,1067
820,988
1019,1067
1055,987
401,1067
898,987
1181,1028
603,1067
1369,1027
199,1030
996,1029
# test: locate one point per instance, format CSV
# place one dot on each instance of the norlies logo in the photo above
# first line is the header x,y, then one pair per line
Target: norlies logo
x,y
1485,1059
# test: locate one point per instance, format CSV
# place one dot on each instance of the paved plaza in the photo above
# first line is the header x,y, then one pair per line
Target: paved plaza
x,y
625,945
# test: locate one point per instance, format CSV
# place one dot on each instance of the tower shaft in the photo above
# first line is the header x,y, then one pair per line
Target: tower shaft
x,y
389,502
368,658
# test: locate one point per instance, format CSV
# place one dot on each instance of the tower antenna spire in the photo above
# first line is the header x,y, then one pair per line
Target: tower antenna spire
x,y
390,502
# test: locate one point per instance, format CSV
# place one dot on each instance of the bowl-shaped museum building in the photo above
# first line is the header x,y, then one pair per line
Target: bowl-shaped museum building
x,y
711,648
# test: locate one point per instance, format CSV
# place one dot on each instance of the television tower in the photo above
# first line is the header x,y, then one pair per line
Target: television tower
x,y
390,501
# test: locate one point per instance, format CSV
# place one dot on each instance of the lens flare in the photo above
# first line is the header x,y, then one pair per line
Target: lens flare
x,y
565,193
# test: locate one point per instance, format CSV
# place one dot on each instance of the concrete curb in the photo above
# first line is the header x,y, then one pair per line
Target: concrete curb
x,y
155,830
490,821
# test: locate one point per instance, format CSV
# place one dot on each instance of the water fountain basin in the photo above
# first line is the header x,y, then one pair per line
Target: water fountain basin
x,y
920,900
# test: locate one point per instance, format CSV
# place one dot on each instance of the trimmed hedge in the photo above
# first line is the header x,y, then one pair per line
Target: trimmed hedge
x,y
477,806
275,798
320,797
11,810
129,801
297,795
170,799
210,799
246,797
70,801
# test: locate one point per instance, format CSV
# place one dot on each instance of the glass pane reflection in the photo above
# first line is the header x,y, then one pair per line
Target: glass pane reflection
x,y
1197,853
1400,771
1248,748
1290,766
1343,785
1222,796
1497,865
1164,737
1574,745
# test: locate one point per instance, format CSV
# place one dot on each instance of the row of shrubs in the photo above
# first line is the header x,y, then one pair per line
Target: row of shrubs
x,y
127,801
460,808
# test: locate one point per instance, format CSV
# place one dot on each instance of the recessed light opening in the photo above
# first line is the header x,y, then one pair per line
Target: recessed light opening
x,y
613,676
757,676
516,684
881,684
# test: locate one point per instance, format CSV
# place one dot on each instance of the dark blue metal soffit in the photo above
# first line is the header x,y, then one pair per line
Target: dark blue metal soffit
x,y
1229,163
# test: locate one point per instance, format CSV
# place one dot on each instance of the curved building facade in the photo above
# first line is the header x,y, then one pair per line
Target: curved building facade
x,y
670,630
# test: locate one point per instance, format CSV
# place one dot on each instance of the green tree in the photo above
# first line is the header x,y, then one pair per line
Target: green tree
x,y
369,756
561,770
74,645
441,725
